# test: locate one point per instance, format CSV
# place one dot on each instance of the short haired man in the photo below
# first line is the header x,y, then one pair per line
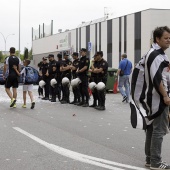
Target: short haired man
x,y
65,72
156,97
43,71
125,66
101,71
11,76
52,69
74,68
82,72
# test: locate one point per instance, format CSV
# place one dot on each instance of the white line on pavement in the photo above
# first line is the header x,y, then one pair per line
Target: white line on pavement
x,y
77,156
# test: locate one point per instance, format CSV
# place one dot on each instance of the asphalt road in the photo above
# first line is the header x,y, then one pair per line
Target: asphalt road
x,y
67,137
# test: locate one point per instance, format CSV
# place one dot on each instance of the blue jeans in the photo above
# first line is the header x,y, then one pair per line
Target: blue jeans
x,y
154,137
124,81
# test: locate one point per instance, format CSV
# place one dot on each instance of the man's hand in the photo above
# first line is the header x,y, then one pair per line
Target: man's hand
x,y
54,68
167,100
3,77
14,67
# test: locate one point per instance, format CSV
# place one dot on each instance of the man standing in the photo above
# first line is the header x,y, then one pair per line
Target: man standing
x,y
11,76
52,70
74,67
156,97
65,72
94,78
125,68
82,74
101,71
44,73
58,76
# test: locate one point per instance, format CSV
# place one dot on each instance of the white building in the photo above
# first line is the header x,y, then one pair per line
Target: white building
x,y
129,34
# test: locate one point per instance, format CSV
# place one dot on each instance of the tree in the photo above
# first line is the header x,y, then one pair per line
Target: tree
x,y
21,55
26,53
30,54
2,57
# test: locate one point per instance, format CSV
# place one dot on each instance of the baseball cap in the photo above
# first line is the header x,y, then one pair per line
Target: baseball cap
x,y
99,53
59,55
83,49
51,55
75,54
44,58
65,54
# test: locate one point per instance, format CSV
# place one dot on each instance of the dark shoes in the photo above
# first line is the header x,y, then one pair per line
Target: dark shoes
x,y
80,103
160,166
53,100
124,98
32,105
73,102
93,105
100,108
45,98
85,105
64,102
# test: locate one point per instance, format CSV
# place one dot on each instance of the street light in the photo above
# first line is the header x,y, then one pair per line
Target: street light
x,y
5,39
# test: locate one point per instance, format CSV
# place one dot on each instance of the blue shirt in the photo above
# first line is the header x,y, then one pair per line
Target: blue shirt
x,y
122,66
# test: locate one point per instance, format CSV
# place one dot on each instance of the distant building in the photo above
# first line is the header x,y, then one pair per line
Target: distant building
x,y
129,34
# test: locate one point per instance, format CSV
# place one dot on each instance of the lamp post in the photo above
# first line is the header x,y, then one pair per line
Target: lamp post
x,y
19,25
5,39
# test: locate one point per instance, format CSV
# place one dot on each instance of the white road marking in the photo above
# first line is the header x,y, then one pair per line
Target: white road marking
x,y
78,156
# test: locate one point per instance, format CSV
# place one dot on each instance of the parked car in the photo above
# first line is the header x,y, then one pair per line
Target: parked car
x,y
2,81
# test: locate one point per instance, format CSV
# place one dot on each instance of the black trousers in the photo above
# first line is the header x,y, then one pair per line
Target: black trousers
x,y
77,95
95,96
84,88
47,86
101,97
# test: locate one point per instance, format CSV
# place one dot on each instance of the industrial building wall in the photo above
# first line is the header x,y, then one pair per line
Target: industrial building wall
x,y
104,39
129,34
130,38
93,39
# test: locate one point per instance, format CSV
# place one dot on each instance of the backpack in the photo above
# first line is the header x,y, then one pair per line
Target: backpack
x,y
139,110
31,75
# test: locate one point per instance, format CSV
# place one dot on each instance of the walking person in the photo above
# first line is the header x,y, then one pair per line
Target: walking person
x,y
11,76
156,97
27,87
125,68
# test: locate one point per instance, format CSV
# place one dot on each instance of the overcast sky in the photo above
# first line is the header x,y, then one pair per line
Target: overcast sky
x,y
66,14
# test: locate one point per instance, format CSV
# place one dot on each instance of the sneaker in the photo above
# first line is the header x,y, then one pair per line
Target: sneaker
x,y
160,166
24,106
147,164
124,98
14,106
13,101
32,105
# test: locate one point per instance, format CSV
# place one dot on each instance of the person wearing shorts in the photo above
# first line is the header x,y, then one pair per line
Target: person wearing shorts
x,y
26,86
11,77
